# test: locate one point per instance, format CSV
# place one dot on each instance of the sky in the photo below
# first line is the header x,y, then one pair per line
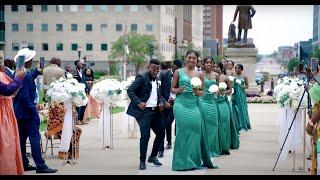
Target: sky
x,y
275,25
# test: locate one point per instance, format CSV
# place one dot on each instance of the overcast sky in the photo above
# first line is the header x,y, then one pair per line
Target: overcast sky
x,y
275,25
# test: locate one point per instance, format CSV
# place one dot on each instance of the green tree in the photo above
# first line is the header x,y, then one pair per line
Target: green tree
x,y
292,64
316,53
218,58
138,48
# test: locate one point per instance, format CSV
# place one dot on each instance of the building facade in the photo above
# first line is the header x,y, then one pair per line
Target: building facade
x,y
213,24
197,27
61,30
316,27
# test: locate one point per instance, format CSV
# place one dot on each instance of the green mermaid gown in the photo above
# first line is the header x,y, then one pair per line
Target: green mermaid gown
x,y
190,148
240,101
209,109
224,124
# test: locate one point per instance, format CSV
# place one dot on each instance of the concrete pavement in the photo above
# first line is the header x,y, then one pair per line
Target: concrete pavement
x,y
258,151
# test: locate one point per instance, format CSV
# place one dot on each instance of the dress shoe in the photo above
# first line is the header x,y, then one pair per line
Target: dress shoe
x,y
154,160
160,155
142,166
46,170
169,146
29,168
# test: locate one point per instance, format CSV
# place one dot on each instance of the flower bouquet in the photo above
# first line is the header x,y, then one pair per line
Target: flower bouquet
x,y
214,89
222,88
106,91
231,78
196,84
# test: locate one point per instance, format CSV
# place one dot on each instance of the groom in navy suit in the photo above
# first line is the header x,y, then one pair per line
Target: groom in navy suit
x,y
146,104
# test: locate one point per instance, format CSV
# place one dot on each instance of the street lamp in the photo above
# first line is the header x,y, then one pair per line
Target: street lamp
x,y
79,52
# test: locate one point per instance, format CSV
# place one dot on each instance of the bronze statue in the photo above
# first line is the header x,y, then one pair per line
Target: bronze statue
x,y
246,12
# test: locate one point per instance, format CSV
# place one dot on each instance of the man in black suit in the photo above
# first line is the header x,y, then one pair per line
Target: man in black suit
x,y
168,117
146,104
79,75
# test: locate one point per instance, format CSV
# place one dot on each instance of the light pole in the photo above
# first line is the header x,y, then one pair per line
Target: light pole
x,y
79,52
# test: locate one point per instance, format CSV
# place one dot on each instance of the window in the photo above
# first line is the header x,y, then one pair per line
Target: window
x,y
59,8
29,27
104,27
74,27
45,46
14,8
31,46
149,27
133,8
88,8
118,27
15,46
104,8
104,47
148,7
88,27
59,47
74,47
59,27
15,27
89,47
44,27
29,8
73,8
44,8
134,27
118,8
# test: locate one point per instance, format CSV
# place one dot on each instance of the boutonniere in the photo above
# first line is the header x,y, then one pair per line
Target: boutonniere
x,y
159,82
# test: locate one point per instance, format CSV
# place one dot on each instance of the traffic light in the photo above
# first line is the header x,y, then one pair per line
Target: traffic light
x,y
151,48
170,39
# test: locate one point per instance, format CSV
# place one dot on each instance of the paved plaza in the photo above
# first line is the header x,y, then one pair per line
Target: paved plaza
x,y
258,151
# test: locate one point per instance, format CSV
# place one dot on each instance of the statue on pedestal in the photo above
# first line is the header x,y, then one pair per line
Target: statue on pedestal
x,y
246,12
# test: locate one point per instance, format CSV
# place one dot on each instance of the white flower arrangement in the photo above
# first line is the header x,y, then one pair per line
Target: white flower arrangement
x,y
222,86
106,91
288,92
67,90
238,81
231,78
196,83
213,88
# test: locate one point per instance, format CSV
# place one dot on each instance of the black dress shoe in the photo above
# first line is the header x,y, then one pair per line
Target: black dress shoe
x,y
169,146
154,160
142,166
29,168
160,155
46,170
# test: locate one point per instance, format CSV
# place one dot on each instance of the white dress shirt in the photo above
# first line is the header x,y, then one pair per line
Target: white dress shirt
x,y
153,99
80,74
11,71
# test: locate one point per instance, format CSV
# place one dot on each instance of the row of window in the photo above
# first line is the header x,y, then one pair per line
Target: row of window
x,y
87,8
74,27
59,46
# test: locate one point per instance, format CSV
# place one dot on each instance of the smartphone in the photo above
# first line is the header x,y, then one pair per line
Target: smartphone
x,y
42,62
20,62
314,65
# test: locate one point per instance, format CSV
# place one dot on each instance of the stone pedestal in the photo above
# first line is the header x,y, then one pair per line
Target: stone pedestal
x,y
248,58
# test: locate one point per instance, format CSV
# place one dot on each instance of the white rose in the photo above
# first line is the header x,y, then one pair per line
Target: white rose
x,y
223,86
238,81
231,78
196,82
213,89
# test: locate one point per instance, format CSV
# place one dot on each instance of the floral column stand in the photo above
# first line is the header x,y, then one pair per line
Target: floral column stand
x,y
106,125
132,124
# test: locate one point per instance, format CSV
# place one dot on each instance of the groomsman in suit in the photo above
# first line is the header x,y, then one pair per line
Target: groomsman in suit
x,y
168,117
27,115
9,65
146,104
79,75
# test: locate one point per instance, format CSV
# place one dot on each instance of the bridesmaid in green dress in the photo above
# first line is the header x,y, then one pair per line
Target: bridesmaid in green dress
x,y
209,108
190,149
224,111
241,83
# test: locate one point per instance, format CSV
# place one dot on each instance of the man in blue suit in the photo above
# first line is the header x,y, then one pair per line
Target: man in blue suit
x,y
146,104
9,64
27,115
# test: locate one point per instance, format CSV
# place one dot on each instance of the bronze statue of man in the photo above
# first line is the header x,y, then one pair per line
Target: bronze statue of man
x,y
246,12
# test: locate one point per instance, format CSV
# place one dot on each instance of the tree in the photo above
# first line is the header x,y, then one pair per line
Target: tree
x,y
316,53
218,58
138,48
292,64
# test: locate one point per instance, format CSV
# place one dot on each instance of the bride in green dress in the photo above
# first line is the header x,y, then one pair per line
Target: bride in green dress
x,y
209,108
240,98
190,149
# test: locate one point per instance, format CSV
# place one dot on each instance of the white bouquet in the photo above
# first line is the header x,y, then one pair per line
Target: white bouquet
x,y
238,81
222,86
106,91
213,88
196,83
67,90
231,78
